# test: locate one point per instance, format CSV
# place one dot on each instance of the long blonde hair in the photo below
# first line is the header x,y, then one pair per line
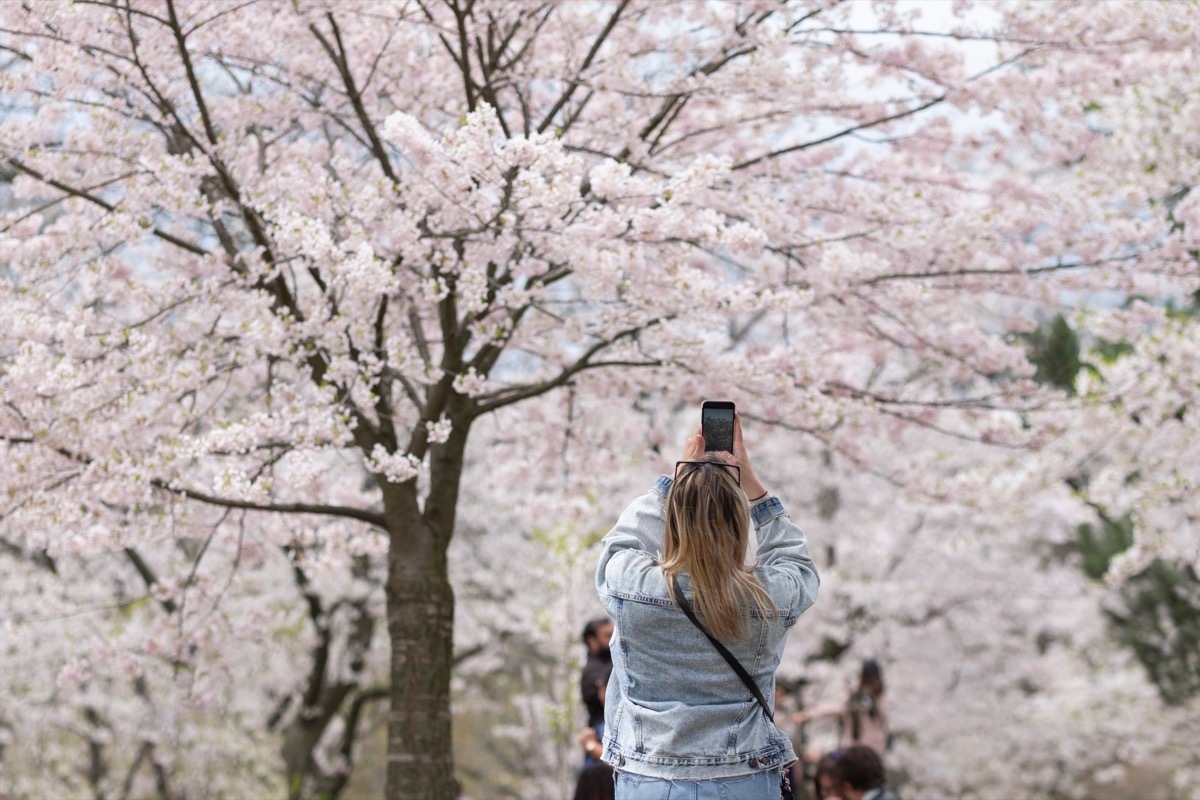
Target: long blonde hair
x,y
706,536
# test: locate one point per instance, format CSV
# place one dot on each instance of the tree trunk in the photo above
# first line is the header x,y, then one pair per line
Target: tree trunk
x,y
420,608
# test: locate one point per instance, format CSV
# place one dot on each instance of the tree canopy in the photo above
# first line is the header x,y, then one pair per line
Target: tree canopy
x,y
298,294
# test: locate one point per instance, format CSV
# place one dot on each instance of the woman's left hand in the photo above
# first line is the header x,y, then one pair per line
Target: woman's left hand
x,y
694,449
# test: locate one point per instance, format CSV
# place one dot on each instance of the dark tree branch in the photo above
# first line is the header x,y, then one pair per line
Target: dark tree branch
x,y
185,55
1058,266
854,129
283,299
316,614
355,712
325,693
124,8
340,60
194,249
371,518
385,404
504,397
840,134
148,576
40,558
463,55
146,756
97,769
575,83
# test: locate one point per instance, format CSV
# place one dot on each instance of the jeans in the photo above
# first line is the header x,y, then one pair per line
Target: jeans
x,y
759,786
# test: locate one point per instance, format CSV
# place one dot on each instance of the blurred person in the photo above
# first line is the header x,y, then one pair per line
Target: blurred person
x,y
590,739
861,775
593,682
863,718
793,772
595,783
597,634
681,720
826,784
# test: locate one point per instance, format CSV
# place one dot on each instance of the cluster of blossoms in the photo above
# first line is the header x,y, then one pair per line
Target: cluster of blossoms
x,y
301,302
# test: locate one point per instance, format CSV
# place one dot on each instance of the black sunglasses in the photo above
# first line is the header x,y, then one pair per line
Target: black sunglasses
x,y
736,469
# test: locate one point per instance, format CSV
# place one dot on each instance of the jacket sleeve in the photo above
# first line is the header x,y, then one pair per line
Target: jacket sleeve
x,y
784,566
631,550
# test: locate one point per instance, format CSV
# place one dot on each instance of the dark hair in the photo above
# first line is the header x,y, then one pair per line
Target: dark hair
x,y
593,627
860,767
871,677
827,766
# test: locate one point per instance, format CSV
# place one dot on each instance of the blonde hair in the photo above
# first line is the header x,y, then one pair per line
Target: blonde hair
x,y
706,536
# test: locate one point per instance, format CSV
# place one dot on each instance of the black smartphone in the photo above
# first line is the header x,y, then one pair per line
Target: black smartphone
x,y
716,423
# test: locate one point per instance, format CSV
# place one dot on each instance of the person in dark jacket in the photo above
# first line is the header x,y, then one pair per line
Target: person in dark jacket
x,y
594,678
592,684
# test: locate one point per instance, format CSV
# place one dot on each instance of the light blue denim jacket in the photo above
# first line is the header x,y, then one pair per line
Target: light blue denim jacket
x,y
674,707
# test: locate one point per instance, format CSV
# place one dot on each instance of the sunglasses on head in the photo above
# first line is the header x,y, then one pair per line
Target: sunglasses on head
x,y
737,471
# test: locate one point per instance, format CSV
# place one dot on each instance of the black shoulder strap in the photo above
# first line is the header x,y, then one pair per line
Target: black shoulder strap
x,y
733,662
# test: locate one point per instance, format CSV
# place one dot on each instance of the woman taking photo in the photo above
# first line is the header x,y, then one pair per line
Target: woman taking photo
x,y
679,720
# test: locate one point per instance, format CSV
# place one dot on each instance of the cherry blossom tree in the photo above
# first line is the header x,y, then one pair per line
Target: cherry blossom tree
x,y
277,271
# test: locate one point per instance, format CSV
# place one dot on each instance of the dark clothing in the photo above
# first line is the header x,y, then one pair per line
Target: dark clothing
x,y
595,674
790,788
595,783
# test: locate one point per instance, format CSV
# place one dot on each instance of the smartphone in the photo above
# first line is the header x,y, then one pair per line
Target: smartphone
x,y
716,423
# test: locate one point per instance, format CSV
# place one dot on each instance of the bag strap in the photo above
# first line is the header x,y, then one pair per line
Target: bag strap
x,y
733,662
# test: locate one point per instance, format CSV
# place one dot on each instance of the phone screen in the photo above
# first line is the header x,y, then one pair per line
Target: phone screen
x,y
716,423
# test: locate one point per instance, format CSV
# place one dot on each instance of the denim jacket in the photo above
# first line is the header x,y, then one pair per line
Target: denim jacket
x,y
674,707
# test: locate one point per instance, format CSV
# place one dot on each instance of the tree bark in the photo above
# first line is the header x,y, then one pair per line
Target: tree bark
x,y
420,611
420,608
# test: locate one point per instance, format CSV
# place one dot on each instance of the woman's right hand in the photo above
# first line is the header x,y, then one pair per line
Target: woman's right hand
x,y
750,483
